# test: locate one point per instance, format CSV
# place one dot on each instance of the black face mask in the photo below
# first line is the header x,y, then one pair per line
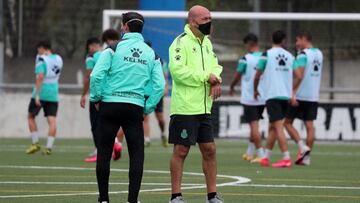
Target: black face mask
x,y
205,28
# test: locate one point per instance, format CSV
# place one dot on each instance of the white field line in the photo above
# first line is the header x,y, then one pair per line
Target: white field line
x,y
239,181
185,184
236,180
300,186
84,183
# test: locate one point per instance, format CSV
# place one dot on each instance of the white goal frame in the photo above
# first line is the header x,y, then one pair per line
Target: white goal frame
x,y
279,16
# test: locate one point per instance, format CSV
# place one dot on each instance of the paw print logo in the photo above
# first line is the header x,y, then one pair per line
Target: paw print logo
x,y
316,64
282,59
136,52
56,70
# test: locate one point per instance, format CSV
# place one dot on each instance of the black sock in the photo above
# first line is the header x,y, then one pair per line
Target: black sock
x,y
211,195
173,196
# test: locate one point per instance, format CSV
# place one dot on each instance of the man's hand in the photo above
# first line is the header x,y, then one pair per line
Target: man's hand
x,y
293,101
37,100
97,106
232,91
215,91
213,80
83,101
256,94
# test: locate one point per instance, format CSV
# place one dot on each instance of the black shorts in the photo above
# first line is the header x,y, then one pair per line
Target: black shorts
x,y
190,129
253,113
50,108
306,111
160,106
276,109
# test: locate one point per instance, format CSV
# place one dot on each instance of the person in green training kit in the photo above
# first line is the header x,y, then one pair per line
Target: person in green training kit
x,y
276,67
45,95
159,114
117,86
253,109
94,49
306,93
196,83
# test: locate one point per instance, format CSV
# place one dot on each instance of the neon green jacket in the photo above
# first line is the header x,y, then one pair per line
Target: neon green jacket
x,y
190,63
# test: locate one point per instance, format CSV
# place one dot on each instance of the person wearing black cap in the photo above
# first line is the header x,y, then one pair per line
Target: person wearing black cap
x,y
117,86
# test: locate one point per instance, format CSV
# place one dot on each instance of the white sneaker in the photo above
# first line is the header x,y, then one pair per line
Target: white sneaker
x,y
178,199
216,199
305,149
306,160
302,154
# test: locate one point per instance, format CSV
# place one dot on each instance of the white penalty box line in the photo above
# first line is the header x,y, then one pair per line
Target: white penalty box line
x,y
238,182
235,181
185,184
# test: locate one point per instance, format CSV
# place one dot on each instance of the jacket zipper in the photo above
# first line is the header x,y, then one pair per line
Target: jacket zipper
x,y
202,59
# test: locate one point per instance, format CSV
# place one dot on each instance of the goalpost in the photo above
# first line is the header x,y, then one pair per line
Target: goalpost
x,y
112,19
231,39
108,14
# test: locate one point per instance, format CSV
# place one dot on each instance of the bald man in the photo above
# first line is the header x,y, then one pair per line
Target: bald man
x,y
196,83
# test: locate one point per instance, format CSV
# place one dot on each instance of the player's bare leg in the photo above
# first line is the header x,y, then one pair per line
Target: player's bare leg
x,y
51,135
270,142
248,156
256,139
179,155
310,130
208,151
280,135
146,130
304,149
34,135
161,122
310,139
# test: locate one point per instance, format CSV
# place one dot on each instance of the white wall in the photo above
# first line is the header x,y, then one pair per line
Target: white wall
x,y
72,120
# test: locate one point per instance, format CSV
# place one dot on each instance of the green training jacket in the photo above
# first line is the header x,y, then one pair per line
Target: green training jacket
x,y
122,72
190,63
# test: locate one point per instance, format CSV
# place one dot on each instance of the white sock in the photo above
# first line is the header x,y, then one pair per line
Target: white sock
x,y
50,142
93,153
147,139
301,145
34,137
260,152
267,153
251,149
116,140
286,155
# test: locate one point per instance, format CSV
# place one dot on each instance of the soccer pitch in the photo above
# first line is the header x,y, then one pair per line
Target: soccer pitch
x,y
64,177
